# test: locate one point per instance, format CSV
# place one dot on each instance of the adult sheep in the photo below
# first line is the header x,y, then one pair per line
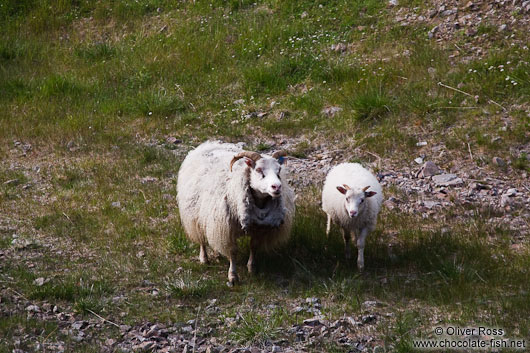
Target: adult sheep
x,y
352,198
224,192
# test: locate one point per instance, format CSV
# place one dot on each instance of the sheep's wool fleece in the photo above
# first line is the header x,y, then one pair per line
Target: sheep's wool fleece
x,y
357,177
216,205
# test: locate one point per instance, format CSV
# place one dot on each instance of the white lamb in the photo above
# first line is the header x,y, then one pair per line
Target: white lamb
x,y
224,193
352,198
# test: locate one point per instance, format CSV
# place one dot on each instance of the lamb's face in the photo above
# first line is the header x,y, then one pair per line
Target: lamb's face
x,y
265,176
354,199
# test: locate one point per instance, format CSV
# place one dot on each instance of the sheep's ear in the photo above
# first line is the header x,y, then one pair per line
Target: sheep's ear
x,y
341,189
369,193
250,162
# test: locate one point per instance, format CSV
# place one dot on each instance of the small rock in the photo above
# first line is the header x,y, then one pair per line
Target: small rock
x,y
369,303
116,204
39,281
331,111
430,204
432,32
511,192
239,101
418,160
424,143
368,319
173,140
110,342
502,28
447,180
297,310
33,309
498,161
429,169
79,325
187,329
470,32
148,179
339,48
312,322
144,346
393,3
312,300
304,14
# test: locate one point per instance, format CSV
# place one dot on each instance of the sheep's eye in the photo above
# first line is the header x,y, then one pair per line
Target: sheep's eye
x,y
362,200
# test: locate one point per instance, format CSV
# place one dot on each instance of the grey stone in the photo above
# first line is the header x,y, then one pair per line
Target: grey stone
x,y
430,204
511,192
331,111
498,161
312,322
447,180
33,309
429,169
40,281
79,325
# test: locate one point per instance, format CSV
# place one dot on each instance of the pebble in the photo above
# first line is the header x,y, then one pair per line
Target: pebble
x,y
498,161
331,111
33,309
39,281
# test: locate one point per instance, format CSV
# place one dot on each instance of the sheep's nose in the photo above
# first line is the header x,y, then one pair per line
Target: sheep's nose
x,y
353,213
276,187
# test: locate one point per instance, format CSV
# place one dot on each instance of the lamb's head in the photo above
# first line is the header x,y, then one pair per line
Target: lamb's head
x,y
354,198
264,172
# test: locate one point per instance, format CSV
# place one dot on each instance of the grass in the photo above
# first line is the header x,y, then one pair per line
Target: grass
x,y
96,88
257,329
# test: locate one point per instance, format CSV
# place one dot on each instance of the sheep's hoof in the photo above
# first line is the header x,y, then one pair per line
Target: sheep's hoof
x,y
233,279
203,259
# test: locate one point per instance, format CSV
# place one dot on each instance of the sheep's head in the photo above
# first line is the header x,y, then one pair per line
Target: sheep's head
x,y
354,198
265,172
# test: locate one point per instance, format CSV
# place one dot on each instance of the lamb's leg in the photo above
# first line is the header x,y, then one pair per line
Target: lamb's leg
x,y
328,226
360,248
232,273
203,255
251,264
347,248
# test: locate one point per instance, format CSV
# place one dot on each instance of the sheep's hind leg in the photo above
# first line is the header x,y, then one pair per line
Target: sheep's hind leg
x,y
203,255
347,239
233,278
360,248
251,264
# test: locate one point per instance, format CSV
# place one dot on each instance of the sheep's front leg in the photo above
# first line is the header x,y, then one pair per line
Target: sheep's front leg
x,y
328,226
251,264
203,255
360,248
233,278
347,248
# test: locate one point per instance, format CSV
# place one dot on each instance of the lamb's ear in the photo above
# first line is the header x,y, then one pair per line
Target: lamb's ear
x,y
341,189
369,193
